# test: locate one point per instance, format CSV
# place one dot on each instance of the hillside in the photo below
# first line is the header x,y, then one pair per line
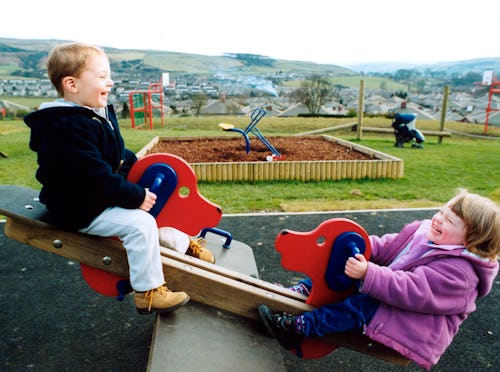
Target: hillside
x,y
26,58
22,58
478,65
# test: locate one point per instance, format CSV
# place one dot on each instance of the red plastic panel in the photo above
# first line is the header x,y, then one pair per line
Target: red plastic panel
x,y
309,253
186,210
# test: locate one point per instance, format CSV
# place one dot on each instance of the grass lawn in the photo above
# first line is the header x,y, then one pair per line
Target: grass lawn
x,y
431,175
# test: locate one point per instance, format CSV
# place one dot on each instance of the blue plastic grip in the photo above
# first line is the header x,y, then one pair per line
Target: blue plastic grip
x,y
215,230
155,186
346,245
160,179
124,288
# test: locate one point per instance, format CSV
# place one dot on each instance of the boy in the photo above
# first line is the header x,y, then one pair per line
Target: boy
x,y
83,167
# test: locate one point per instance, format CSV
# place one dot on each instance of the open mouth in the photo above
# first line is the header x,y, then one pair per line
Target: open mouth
x,y
436,229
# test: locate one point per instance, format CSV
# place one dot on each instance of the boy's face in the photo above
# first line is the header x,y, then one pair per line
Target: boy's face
x,y
94,83
447,228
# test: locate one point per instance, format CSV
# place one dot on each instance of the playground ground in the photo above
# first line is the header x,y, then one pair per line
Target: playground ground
x,y
52,321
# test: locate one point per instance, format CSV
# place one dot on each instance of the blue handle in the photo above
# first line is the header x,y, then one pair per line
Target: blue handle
x,y
346,245
124,288
155,186
353,248
160,179
229,237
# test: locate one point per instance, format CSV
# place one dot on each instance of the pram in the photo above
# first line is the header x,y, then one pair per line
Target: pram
x,y
405,131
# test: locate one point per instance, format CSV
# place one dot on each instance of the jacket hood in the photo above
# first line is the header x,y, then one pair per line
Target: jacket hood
x,y
56,103
49,114
485,269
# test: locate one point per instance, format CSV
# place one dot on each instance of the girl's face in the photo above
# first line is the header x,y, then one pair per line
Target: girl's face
x,y
447,228
94,82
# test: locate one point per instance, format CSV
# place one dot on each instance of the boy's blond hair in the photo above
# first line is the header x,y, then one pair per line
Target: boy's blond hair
x,y
482,220
69,60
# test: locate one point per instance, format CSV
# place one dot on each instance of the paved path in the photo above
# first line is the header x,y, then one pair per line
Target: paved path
x,y
51,320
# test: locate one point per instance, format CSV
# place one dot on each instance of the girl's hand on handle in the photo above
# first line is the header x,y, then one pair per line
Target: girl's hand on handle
x,y
356,267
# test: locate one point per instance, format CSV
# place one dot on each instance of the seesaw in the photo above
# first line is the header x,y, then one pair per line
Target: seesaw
x,y
255,116
105,267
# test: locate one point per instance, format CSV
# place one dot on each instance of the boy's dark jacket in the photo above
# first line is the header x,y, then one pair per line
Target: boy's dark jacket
x,y
83,164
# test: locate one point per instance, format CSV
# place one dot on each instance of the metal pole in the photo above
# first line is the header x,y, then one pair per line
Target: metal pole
x,y
359,132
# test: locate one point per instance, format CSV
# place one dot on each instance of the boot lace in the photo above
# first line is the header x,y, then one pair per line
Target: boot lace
x,y
284,320
151,293
195,246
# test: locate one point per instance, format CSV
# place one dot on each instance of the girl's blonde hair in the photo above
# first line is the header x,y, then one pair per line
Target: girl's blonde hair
x,y
69,60
482,220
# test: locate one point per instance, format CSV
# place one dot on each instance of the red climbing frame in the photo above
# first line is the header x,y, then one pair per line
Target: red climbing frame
x,y
142,105
494,89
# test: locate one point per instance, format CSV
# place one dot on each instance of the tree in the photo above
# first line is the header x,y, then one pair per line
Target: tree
x,y
198,101
406,74
314,92
125,111
401,94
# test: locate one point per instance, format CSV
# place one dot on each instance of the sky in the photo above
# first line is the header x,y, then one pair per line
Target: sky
x,y
323,31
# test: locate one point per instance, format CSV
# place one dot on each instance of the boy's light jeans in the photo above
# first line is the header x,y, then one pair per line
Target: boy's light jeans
x,y
138,232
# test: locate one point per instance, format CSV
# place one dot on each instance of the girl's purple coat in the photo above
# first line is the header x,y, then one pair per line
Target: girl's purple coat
x,y
426,292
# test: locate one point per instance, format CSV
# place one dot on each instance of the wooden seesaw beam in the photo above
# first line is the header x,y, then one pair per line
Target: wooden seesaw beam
x,y
206,283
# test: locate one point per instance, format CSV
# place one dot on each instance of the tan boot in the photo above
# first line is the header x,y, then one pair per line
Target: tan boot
x,y
161,300
197,249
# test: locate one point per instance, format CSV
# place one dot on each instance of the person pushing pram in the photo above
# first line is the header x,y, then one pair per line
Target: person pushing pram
x,y
405,131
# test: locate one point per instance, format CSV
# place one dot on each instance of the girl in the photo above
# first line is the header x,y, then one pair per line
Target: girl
x,y
418,287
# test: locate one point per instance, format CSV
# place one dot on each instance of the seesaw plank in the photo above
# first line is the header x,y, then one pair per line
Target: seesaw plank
x,y
231,274
215,286
82,248
206,283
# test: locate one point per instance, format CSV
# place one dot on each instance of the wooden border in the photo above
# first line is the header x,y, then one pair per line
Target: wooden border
x,y
382,166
